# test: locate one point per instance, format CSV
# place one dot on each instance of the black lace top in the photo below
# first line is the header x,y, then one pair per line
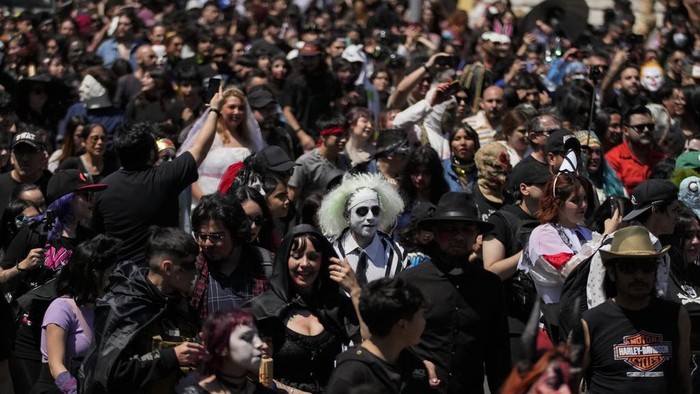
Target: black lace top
x,y
306,362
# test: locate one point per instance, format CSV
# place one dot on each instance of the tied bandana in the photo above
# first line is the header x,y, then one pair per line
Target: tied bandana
x,y
361,196
331,130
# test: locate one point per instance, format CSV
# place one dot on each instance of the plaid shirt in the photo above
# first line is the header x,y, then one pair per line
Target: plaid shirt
x,y
217,291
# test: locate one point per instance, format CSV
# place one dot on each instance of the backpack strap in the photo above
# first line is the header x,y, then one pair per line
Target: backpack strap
x,y
266,259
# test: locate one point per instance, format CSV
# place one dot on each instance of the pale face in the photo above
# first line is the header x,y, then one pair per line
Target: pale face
x,y
574,210
90,88
652,78
304,265
245,348
255,215
365,217
233,112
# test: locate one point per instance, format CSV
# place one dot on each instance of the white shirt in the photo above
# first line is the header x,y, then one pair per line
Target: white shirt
x,y
385,258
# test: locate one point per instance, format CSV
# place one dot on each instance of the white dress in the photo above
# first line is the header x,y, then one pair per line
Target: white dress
x,y
215,165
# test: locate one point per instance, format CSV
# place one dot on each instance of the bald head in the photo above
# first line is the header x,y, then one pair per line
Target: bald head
x,y
492,102
145,57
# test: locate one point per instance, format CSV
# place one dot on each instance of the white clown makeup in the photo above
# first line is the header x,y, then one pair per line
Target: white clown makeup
x,y
245,348
652,76
364,213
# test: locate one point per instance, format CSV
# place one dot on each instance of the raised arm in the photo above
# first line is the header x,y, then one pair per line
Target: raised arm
x,y
205,137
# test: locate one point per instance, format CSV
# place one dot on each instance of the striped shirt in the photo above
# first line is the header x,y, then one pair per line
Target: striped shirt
x,y
385,257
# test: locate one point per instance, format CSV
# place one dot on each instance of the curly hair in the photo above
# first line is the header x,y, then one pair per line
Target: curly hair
x,y
331,215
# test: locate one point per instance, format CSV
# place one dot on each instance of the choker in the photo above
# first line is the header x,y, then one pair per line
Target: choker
x,y
462,170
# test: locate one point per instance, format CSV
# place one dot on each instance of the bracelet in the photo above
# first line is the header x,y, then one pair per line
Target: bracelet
x,y
298,129
215,110
20,269
426,68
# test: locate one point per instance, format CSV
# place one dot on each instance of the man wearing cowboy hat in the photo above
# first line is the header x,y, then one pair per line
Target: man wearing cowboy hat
x,y
466,331
636,341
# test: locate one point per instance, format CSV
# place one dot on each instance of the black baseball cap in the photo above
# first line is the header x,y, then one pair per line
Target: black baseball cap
x,y
650,192
275,159
557,140
69,181
29,138
529,172
259,98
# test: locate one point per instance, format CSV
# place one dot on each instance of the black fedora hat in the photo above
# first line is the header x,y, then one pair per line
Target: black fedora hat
x,y
456,207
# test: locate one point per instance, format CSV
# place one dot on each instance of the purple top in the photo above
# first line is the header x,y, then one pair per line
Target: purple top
x,y
61,313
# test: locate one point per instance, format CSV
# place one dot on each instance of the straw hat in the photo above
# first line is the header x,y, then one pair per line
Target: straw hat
x,y
632,243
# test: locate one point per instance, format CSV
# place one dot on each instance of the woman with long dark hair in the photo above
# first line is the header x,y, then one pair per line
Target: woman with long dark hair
x,y
70,143
255,207
460,169
304,313
93,139
67,328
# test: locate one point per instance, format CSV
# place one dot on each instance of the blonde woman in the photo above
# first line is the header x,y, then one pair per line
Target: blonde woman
x,y
237,136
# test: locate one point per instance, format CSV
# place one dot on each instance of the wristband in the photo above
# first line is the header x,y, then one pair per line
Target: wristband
x,y
20,269
298,129
427,69
215,110
67,383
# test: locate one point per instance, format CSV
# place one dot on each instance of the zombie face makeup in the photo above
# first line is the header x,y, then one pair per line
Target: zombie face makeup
x,y
364,213
245,347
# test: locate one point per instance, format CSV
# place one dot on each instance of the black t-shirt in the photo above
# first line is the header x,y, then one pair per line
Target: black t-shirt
x,y
633,350
503,229
138,199
483,205
359,368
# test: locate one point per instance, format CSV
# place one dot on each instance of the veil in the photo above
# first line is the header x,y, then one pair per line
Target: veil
x,y
255,136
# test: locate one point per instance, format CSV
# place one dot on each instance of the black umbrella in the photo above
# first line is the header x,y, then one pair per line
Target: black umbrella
x,y
567,17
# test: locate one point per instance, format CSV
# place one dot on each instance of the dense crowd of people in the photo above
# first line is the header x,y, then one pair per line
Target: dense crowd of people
x,y
343,197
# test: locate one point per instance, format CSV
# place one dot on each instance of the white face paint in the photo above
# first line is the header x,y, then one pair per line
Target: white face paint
x,y
652,77
365,215
90,88
245,348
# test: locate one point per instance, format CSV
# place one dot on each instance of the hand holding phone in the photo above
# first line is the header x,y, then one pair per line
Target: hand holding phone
x,y
212,89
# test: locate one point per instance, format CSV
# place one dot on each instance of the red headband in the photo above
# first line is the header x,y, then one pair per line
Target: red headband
x,y
331,130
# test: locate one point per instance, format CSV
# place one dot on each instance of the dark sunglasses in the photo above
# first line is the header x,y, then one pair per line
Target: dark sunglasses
x,y
363,211
630,267
642,127
258,220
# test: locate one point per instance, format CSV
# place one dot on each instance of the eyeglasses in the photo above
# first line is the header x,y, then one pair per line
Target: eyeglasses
x,y
214,238
258,220
363,211
95,138
630,267
639,128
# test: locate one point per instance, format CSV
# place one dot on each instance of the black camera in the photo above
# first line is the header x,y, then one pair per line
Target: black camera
x,y
596,73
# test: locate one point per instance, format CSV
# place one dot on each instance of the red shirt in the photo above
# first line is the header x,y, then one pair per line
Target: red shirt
x,y
629,168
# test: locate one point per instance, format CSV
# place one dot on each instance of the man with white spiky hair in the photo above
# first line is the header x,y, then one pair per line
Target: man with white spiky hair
x,y
351,216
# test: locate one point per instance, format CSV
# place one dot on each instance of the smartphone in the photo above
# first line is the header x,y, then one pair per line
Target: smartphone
x,y
447,61
212,89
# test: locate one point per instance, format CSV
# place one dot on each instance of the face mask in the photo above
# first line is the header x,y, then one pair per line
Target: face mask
x,y
364,213
680,39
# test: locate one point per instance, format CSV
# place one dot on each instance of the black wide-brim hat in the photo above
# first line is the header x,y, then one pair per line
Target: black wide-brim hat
x,y
456,207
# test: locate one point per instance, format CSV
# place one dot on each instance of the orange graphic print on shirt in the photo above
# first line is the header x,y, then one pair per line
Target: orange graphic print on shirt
x,y
644,351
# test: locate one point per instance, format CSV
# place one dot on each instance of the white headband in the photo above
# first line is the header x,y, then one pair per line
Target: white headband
x,y
362,195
